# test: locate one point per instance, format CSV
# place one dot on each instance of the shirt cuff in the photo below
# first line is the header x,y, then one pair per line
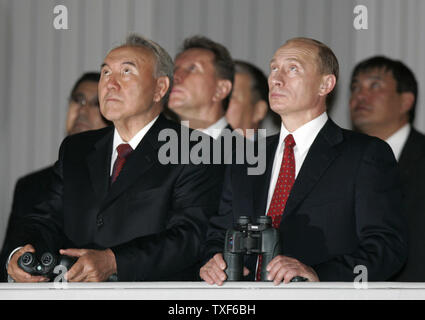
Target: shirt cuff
x,y
9,278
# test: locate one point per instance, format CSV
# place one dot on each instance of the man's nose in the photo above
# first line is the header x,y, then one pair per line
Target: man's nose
x,y
83,109
112,83
276,81
360,94
178,76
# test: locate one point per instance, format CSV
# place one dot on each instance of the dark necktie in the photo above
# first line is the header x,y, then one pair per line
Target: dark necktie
x,y
282,189
124,149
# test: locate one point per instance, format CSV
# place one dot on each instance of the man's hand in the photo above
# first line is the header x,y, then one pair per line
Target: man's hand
x,y
91,266
17,273
285,268
213,271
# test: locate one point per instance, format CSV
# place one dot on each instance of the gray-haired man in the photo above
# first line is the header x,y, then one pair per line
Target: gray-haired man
x,y
112,203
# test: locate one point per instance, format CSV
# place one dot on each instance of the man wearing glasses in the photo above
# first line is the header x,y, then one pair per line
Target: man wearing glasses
x,y
83,111
83,115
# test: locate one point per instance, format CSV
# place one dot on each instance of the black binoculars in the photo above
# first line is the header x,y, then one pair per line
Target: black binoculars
x,y
247,238
45,266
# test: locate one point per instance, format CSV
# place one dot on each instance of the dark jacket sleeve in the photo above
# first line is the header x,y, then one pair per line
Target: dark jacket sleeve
x,y
380,226
42,225
219,223
29,191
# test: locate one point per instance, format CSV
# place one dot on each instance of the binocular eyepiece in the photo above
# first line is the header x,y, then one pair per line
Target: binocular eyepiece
x,y
44,266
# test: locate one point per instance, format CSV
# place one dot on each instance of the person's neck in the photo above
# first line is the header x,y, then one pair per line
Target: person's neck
x,y
129,128
383,132
249,130
202,118
247,126
296,120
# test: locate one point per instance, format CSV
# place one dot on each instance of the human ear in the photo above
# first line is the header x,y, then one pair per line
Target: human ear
x,y
223,89
407,99
162,85
327,85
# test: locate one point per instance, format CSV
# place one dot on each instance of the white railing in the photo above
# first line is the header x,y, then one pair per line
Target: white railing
x,y
203,291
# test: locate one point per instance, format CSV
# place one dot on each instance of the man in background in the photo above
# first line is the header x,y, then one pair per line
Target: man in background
x,y
382,104
83,115
83,109
203,80
249,103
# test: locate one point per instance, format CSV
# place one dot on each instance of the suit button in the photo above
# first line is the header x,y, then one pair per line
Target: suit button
x,y
99,220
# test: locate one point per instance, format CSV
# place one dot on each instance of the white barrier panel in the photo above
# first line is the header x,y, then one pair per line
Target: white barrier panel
x,y
203,291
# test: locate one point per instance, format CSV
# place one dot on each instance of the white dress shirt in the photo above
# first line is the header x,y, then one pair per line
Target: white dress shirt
x,y
304,137
398,139
215,129
134,142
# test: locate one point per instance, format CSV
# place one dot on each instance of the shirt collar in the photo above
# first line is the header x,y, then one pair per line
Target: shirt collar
x,y
398,139
304,135
134,142
216,128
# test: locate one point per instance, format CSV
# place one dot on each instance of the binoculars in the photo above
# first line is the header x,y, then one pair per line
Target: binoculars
x,y
45,266
247,238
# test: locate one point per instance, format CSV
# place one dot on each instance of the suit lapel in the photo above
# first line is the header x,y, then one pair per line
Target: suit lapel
x,y
138,163
99,162
320,156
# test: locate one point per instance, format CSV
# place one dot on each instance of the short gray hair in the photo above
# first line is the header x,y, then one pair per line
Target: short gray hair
x,y
164,64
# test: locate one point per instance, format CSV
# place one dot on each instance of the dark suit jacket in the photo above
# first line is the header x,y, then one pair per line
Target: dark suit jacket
x,y
344,209
154,217
29,191
412,173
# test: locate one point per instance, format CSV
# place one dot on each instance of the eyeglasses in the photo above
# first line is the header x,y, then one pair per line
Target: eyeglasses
x,y
82,100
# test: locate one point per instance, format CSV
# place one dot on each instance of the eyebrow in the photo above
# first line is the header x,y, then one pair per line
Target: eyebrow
x,y
375,77
131,63
370,77
288,59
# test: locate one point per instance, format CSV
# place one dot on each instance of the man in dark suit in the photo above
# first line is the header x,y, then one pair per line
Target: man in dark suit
x,y
112,203
83,114
333,194
203,80
382,104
